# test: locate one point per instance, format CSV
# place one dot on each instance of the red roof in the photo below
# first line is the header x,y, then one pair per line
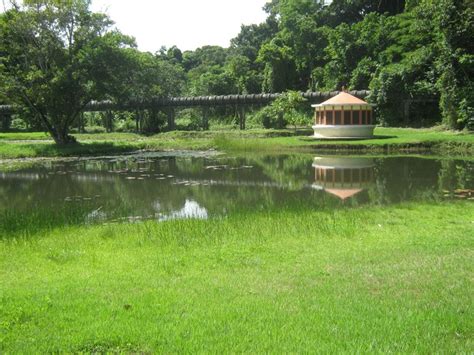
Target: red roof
x,y
344,98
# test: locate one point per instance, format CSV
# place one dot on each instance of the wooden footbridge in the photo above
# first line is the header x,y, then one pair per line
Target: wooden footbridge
x,y
169,104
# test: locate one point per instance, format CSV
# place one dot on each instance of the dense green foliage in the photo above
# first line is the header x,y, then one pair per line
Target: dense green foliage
x,y
285,110
55,57
401,50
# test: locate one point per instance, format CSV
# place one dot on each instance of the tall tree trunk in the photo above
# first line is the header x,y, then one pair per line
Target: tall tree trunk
x,y
108,121
139,119
137,122
241,111
281,121
81,123
62,137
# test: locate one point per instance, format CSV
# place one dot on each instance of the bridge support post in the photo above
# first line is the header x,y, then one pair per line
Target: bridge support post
x,y
241,111
406,111
5,122
108,117
205,118
81,123
140,113
171,118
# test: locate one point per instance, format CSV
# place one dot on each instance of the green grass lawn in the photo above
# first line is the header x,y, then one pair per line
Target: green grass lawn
x,y
397,279
385,140
30,145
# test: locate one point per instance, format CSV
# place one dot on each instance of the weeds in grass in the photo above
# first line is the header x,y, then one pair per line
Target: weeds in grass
x,y
17,223
272,281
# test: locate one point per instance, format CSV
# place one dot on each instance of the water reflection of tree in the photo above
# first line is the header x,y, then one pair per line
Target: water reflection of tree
x,y
455,174
403,179
221,185
292,171
100,185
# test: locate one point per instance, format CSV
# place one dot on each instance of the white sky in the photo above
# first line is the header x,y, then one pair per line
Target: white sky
x,y
188,24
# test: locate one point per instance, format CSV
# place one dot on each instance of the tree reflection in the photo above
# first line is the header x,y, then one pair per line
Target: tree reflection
x,y
162,187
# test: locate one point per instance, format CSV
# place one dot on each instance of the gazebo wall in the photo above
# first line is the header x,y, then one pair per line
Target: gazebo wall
x,y
343,177
344,115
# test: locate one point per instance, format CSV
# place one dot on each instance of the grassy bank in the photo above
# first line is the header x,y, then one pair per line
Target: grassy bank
x,y
362,280
387,140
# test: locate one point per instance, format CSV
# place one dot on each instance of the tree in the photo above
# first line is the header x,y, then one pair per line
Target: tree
x,y
52,59
354,51
286,109
280,68
142,76
172,54
251,38
455,21
204,57
238,67
290,105
353,11
301,24
430,55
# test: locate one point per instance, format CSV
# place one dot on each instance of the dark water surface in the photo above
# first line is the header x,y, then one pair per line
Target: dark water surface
x,y
166,187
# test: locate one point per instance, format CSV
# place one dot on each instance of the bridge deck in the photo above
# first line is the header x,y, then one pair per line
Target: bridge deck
x,y
206,101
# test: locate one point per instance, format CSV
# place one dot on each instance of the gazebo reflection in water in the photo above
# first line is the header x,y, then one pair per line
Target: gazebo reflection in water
x,y
343,177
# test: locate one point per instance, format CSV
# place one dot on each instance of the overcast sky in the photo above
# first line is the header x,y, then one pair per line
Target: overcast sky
x,y
188,24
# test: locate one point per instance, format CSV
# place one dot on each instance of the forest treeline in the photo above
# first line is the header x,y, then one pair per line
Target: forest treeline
x,y
398,49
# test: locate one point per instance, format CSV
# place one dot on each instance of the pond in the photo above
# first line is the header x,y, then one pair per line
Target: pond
x,y
197,185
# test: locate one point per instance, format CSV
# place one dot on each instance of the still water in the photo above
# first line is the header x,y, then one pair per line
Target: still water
x,y
161,187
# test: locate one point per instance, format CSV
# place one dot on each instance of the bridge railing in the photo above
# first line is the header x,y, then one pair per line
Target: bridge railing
x,y
190,101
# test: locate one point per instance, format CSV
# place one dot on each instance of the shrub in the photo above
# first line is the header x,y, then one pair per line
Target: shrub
x,y
189,120
287,109
125,125
18,124
95,129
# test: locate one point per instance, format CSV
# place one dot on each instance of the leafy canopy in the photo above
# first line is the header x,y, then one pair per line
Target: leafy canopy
x,y
55,57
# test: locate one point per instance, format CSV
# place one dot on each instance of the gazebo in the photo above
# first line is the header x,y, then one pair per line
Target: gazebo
x,y
343,116
342,177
